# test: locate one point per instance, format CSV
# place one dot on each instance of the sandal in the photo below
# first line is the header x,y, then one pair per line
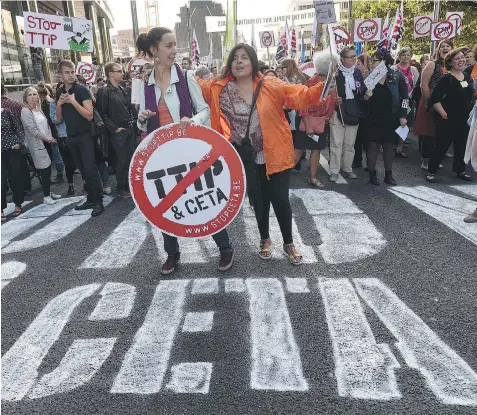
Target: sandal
x,y
264,252
294,257
17,212
431,178
465,177
315,182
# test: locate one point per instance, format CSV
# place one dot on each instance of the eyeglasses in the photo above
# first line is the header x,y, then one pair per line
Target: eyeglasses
x,y
351,57
121,71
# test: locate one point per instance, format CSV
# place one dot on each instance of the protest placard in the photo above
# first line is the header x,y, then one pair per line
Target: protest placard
x,y
367,30
375,75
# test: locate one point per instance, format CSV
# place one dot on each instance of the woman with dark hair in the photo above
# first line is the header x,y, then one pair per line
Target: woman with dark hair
x,y
451,100
388,104
291,72
271,72
260,132
424,124
168,97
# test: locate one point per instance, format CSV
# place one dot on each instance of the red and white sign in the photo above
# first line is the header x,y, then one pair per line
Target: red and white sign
x,y
135,64
342,37
267,39
188,182
459,16
367,30
422,25
87,71
443,30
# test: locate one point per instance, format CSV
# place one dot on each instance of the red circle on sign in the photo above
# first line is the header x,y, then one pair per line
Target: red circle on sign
x,y
220,148
457,17
87,71
267,39
364,38
423,18
443,24
341,35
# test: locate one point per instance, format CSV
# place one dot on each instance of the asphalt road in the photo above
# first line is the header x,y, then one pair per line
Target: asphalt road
x,y
380,320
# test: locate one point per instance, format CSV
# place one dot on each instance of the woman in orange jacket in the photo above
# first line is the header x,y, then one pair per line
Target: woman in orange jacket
x,y
261,135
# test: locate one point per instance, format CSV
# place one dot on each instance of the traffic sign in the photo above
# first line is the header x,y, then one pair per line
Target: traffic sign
x,y
87,71
267,39
367,30
443,30
422,25
188,182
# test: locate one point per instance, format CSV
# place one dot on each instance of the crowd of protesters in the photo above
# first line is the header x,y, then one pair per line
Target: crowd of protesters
x,y
272,116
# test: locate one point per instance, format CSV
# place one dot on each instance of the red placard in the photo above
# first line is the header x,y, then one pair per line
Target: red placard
x,y
188,182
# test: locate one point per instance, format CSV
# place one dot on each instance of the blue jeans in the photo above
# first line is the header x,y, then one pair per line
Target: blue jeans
x,y
55,152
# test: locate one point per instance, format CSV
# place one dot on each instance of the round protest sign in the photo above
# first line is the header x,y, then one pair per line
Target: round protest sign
x,y
188,182
135,64
422,26
87,71
341,35
367,30
455,16
443,30
267,39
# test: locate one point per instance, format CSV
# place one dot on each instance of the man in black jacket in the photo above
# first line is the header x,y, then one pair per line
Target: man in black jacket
x,y
114,105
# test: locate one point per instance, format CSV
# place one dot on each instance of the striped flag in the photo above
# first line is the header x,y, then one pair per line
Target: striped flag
x,y
195,53
385,32
293,50
398,28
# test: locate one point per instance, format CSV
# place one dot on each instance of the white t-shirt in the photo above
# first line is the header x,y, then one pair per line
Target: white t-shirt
x,y
42,123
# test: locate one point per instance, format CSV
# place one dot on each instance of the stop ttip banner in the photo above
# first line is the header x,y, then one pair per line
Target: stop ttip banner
x,y
444,30
367,30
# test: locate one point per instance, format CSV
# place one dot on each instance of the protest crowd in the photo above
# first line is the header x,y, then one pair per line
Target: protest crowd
x,y
273,115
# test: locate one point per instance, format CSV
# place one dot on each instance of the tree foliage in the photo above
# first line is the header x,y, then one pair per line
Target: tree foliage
x,y
379,8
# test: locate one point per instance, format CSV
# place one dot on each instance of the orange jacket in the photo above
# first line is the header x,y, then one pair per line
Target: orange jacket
x,y
274,95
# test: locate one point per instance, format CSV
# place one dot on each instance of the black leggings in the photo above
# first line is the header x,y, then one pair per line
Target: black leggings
x,y
45,175
275,190
388,155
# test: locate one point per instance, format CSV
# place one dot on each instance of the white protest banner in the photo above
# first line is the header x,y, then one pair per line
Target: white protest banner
x,y
367,30
459,16
422,25
188,182
329,82
325,11
87,71
58,32
342,37
375,75
136,86
443,30
267,39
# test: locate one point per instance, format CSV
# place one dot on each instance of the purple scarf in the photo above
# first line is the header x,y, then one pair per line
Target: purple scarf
x,y
182,90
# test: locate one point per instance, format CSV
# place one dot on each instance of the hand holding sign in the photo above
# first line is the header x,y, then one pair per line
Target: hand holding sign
x,y
143,116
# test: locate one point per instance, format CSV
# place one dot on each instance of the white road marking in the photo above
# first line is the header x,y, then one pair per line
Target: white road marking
x,y
190,377
198,321
324,163
20,364
16,227
448,376
117,301
120,248
448,209
205,286
146,362
276,363
348,234
191,249
81,362
55,230
234,285
297,285
11,207
363,369
470,189
10,271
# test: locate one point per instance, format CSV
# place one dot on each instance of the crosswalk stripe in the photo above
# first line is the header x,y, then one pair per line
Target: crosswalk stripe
x,y
10,271
11,207
324,163
470,190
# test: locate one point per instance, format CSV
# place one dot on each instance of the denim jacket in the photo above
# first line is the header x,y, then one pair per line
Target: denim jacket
x,y
400,96
60,127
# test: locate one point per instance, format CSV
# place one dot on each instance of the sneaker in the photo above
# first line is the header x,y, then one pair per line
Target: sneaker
x,y
125,194
84,206
333,177
170,264
97,210
48,200
107,190
54,196
351,175
226,260
472,218
424,166
431,178
71,190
